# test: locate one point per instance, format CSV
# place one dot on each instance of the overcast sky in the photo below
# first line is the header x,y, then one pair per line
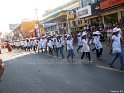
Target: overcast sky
x,y
14,11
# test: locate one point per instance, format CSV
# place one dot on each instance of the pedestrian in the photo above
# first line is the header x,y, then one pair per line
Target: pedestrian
x,y
44,44
34,44
50,45
98,45
109,36
9,47
86,48
1,69
40,45
25,45
70,48
28,45
79,42
59,46
116,48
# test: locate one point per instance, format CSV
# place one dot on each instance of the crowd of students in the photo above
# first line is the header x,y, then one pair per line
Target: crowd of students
x,y
55,45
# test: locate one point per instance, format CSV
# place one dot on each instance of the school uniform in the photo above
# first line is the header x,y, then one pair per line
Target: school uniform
x,y
70,48
85,49
59,47
98,46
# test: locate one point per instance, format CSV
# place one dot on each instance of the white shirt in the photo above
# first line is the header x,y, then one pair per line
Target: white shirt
x,y
34,43
69,44
29,43
85,47
79,41
21,43
25,43
58,43
97,42
50,44
44,42
40,43
54,41
116,46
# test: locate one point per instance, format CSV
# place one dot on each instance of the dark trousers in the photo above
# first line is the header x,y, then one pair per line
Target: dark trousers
x,y
70,53
80,46
87,54
34,48
61,51
50,51
99,52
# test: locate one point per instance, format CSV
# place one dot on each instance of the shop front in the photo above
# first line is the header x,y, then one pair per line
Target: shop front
x,y
111,19
112,11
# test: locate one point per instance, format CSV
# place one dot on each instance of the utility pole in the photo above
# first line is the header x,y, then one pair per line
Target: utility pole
x,y
38,24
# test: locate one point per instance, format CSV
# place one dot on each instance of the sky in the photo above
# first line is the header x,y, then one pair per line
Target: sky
x,y
15,11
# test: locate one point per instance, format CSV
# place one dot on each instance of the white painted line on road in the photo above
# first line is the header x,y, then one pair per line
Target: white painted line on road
x,y
113,69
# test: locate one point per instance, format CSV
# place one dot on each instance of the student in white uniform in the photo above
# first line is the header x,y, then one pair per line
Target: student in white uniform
x,y
34,44
40,44
98,45
21,44
25,45
28,45
59,46
44,43
86,47
50,45
116,48
54,42
79,42
70,47
17,44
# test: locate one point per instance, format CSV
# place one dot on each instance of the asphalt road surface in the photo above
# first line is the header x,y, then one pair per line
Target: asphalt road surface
x,y
38,73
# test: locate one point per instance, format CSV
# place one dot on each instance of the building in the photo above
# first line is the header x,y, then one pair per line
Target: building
x,y
64,18
26,29
109,12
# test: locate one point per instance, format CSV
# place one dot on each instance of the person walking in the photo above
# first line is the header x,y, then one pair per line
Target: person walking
x,y
70,48
79,42
109,36
34,44
50,45
98,45
9,46
1,69
116,48
86,48
59,46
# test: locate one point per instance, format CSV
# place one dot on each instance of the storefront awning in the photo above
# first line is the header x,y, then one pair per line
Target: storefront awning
x,y
57,17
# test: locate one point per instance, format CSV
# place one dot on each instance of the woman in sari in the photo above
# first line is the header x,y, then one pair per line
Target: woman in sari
x,y
9,47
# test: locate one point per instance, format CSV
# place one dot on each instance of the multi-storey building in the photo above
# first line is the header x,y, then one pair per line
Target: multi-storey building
x,y
64,17
105,11
26,29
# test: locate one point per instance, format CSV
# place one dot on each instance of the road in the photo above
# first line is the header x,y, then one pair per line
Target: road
x,y
28,72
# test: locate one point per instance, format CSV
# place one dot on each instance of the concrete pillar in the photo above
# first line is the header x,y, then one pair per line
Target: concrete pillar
x,y
119,16
103,20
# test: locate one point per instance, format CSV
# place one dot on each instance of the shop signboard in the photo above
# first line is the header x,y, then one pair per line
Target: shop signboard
x,y
70,15
95,8
110,3
84,12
